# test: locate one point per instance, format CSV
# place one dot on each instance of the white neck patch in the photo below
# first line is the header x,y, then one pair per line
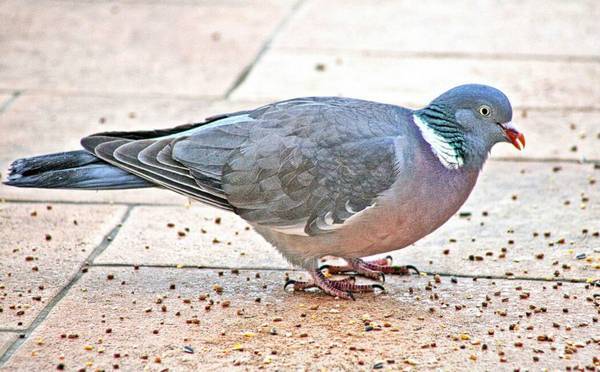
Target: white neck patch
x,y
444,151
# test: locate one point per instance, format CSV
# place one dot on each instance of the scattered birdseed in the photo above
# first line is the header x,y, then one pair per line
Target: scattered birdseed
x,y
217,288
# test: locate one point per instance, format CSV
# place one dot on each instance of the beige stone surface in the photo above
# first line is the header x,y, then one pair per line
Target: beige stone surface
x,y
540,208
530,27
416,81
136,321
37,125
85,67
176,48
215,238
555,135
6,338
40,253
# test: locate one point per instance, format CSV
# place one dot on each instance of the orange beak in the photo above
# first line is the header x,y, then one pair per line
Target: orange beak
x,y
513,135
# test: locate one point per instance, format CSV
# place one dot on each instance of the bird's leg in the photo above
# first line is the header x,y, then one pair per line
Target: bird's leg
x,y
360,265
374,269
386,261
350,268
342,288
302,285
349,284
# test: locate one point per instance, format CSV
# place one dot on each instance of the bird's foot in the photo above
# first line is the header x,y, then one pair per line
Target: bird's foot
x,y
343,288
375,269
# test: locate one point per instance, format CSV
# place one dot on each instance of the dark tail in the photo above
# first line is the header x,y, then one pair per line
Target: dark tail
x,y
71,170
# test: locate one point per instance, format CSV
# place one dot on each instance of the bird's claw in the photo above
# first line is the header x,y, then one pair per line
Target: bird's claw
x,y
378,286
411,267
324,267
288,282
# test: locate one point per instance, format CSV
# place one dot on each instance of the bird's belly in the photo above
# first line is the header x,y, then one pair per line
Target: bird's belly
x,y
394,224
404,226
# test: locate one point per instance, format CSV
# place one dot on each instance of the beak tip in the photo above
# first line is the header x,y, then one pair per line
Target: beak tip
x,y
516,138
519,141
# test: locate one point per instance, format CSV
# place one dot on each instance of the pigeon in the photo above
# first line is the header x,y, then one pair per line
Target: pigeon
x,y
315,176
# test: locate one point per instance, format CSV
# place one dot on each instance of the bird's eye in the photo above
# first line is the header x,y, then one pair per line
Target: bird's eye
x,y
485,110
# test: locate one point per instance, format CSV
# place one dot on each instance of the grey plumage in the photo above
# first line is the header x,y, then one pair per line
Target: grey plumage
x,y
315,176
71,170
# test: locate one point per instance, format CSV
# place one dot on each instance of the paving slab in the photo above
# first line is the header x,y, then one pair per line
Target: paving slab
x,y
523,219
555,135
194,236
133,47
135,321
41,249
6,339
531,27
38,124
415,81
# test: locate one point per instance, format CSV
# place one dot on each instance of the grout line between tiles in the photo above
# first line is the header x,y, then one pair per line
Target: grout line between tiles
x,y
457,275
4,106
398,54
194,267
266,46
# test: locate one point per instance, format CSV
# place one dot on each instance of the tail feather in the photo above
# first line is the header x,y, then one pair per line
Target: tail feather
x,y
71,170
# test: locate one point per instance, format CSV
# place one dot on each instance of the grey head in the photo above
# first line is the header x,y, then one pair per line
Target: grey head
x,y
470,119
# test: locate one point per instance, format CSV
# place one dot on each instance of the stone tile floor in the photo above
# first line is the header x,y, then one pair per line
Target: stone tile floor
x,y
140,279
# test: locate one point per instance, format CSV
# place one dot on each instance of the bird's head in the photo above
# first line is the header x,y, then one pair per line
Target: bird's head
x,y
472,118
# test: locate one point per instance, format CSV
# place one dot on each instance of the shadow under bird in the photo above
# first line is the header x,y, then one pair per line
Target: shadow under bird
x,y
315,176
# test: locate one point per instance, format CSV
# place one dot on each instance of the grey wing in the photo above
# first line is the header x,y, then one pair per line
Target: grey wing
x,y
301,167
306,189
307,164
